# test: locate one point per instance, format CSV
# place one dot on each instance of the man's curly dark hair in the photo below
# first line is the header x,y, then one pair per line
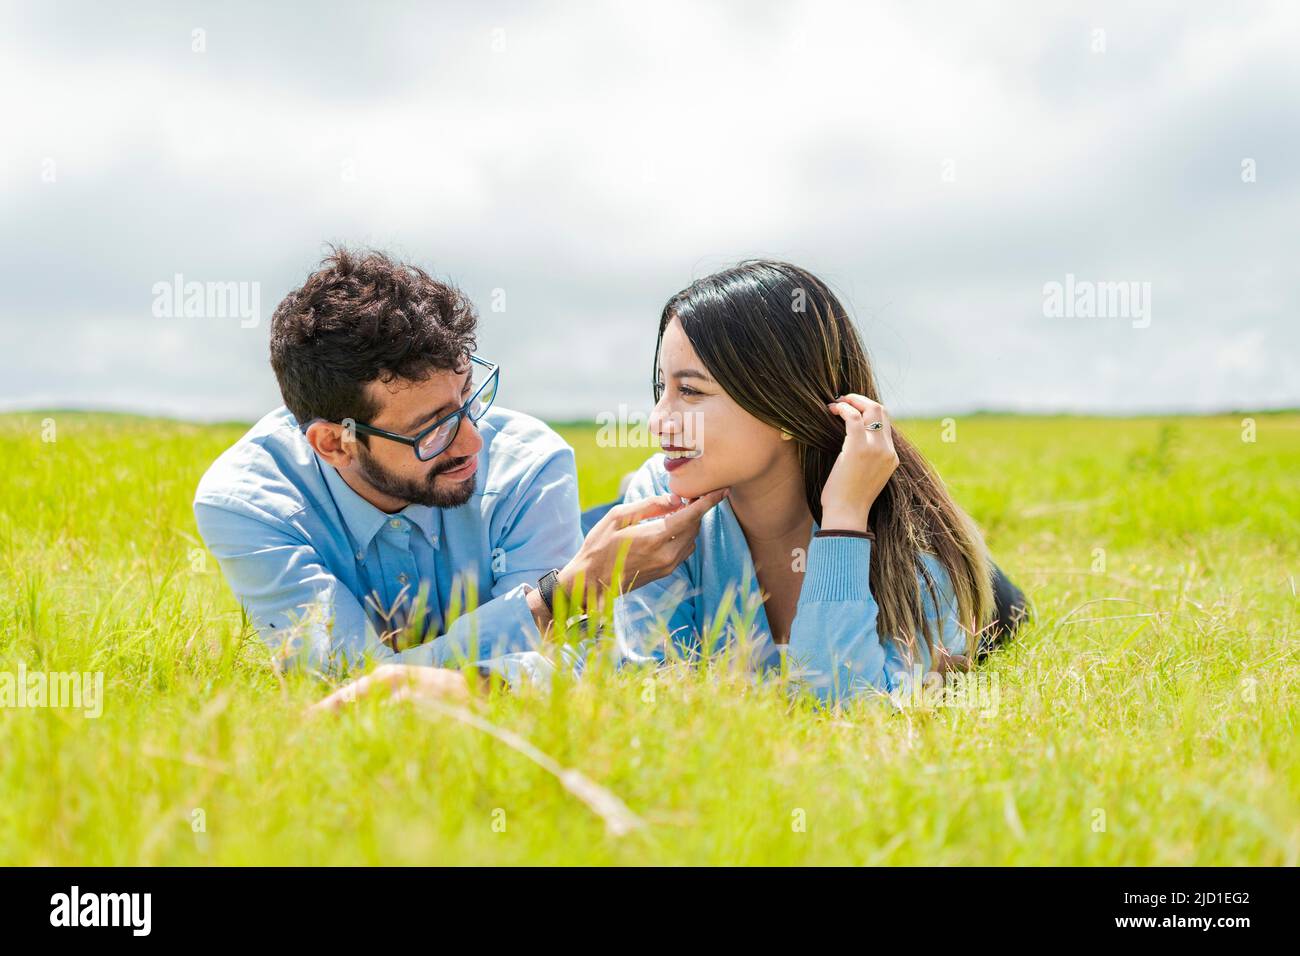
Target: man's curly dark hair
x,y
362,317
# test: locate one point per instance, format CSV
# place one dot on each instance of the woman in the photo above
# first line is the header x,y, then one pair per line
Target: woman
x,y
836,535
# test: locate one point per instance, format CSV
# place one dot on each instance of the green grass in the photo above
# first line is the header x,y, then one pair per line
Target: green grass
x,y
1148,715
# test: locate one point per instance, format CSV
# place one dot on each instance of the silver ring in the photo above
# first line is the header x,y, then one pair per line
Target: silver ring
x,y
875,426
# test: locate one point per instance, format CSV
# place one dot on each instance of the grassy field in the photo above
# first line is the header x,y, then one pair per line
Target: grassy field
x,y
1148,715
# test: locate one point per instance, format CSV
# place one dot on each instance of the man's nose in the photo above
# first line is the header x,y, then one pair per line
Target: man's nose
x,y
468,441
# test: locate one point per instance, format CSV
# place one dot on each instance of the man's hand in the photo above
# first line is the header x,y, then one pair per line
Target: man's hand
x,y
647,551
398,682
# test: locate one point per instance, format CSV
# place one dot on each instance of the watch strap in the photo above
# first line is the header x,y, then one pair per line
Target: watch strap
x,y
546,586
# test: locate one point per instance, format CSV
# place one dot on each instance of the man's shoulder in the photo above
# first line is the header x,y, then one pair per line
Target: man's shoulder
x,y
270,471
516,443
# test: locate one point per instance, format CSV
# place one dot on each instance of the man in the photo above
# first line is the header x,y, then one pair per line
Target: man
x,y
389,510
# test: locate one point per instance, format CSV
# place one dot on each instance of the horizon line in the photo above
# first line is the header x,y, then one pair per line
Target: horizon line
x,y
592,420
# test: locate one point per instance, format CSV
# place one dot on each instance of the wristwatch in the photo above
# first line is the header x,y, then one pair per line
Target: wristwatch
x,y
546,585
579,623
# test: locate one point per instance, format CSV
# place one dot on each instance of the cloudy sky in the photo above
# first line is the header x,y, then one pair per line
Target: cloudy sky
x,y
939,165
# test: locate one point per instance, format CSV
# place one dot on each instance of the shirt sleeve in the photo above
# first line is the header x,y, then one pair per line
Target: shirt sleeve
x,y
835,649
309,618
303,613
646,618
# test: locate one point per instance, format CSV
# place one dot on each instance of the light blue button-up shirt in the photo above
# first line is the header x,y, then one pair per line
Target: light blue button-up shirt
x,y
326,576
835,649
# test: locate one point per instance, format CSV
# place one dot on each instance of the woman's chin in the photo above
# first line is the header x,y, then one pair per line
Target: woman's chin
x,y
685,487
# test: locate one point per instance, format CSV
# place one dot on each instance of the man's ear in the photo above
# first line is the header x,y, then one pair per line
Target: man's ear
x,y
336,444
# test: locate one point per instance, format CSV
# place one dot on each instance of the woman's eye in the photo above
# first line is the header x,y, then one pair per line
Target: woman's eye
x,y
685,390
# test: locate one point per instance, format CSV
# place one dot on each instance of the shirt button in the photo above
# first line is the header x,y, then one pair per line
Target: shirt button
x,y
395,523
402,578
361,556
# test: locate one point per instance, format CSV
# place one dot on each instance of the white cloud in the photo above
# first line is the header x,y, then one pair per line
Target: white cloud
x,y
605,157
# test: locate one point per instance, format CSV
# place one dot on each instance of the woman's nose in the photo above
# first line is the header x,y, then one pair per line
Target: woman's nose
x,y
662,420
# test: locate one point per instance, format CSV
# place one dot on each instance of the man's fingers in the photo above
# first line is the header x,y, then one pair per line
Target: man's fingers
x,y
334,702
449,685
327,706
399,682
687,520
704,503
361,687
631,512
667,506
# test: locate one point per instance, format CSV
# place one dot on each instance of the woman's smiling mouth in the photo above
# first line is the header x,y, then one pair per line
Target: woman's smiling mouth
x,y
675,457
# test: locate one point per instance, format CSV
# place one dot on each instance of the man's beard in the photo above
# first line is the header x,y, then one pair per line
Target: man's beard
x,y
421,492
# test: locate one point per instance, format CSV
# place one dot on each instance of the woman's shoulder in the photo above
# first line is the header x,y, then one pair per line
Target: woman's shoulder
x,y
649,480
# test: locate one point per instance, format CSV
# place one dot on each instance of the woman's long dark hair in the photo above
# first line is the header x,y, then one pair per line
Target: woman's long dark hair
x,y
782,346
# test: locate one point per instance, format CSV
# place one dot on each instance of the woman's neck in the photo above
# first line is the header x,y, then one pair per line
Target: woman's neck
x,y
772,508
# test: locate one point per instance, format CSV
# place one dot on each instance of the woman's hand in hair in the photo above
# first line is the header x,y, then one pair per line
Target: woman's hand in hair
x,y
863,467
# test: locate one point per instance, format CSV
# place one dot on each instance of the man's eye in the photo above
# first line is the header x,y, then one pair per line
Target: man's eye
x,y
687,390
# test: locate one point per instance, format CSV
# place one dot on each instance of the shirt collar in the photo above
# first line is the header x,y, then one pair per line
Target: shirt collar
x,y
424,518
363,520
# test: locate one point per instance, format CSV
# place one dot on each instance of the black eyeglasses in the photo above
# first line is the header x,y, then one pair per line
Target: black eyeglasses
x,y
431,442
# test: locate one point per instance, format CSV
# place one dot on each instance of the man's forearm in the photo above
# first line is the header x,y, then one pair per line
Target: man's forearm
x,y
506,624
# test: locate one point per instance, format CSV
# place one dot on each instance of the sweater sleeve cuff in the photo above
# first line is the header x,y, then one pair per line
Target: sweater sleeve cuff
x,y
838,569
